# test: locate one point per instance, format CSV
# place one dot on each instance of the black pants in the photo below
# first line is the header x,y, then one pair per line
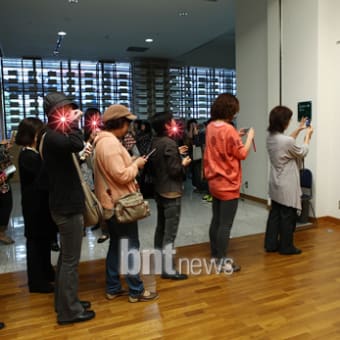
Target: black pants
x,y
6,205
39,269
223,213
281,225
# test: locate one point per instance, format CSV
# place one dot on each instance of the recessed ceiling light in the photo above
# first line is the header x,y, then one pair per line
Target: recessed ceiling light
x,y
73,1
62,33
183,14
149,40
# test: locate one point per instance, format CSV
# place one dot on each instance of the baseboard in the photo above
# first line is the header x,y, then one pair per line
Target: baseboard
x,y
312,220
254,199
330,219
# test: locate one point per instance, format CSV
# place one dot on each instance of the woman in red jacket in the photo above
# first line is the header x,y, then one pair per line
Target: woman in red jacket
x,y
222,168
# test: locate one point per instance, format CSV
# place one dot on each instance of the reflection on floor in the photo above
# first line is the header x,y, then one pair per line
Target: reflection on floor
x,y
195,219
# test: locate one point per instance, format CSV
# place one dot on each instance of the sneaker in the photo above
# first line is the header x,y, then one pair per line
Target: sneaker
x,y
175,276
122,292
144,297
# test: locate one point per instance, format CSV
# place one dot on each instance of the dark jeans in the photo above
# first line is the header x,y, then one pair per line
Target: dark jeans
x,y
168,215
67,303
119,232
281,225
223,214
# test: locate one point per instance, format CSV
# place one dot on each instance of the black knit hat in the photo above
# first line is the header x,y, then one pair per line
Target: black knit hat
x,y
54,100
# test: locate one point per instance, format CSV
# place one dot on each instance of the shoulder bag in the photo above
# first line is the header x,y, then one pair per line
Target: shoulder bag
x,y
93,212
127,209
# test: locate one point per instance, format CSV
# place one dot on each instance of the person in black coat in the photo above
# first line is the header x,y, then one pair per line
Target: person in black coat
x,y
63,138
39,225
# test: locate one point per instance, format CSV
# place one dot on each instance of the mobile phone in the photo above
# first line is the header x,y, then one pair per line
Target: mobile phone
x,y
245,130
307,122
10,170
150,153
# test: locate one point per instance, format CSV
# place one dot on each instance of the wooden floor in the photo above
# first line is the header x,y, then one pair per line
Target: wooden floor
x,y
273,297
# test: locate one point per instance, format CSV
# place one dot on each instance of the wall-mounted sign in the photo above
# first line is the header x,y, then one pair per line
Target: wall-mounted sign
x,y
305,110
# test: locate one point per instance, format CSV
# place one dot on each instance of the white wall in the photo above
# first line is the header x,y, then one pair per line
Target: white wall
x,y
252,90
328,121
310,71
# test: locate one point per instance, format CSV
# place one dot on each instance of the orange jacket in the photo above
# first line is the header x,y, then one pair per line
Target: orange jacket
x,y
222,160
116,165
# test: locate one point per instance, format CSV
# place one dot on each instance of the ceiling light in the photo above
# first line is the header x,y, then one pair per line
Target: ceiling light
x,y
73,1
149,40
61,35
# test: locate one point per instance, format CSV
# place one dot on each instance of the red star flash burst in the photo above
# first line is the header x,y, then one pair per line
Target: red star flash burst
x,y
174,129
61,121
93,123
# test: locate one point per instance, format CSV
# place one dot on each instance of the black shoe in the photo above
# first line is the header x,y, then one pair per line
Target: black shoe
x,y
42,289
85,304
95,227
270,250
85,316
102,238
294,251
2,325
176,276
55,246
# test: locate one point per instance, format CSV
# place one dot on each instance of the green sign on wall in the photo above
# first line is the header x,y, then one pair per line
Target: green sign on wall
x,y
305,110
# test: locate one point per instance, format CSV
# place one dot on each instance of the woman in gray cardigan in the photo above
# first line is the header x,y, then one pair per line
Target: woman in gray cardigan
x,y
284,182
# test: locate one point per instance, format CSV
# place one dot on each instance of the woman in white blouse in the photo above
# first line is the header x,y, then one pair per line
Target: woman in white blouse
x,y
284,181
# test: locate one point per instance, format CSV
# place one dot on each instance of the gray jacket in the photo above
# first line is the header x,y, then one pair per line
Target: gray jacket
x,y
285,162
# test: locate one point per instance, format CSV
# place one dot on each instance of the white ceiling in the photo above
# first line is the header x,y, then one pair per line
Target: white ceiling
x,y
104,29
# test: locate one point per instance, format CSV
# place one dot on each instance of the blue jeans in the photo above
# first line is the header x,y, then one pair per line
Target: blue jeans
x,y
223,213
66,300
119,232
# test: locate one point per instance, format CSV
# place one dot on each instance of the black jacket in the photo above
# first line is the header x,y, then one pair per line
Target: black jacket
x,y
34,200
65,192
166,163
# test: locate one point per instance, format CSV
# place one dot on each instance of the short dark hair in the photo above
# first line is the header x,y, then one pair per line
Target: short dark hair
x,y
115,124
279,118
190,121
225,106
159,122
27,130
147,126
